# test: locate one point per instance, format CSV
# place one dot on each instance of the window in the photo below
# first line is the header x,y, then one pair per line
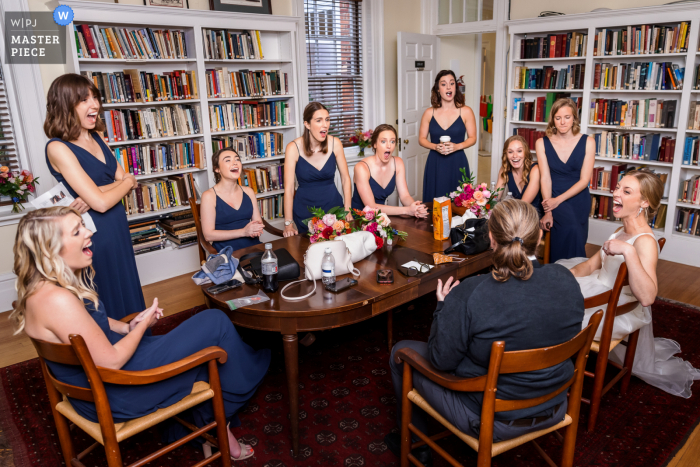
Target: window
x,y
334,62
464,11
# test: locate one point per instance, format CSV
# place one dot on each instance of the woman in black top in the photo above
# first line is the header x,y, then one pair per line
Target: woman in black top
x,y
521,302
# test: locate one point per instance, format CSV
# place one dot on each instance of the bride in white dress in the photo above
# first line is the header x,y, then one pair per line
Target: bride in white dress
x,y
636,198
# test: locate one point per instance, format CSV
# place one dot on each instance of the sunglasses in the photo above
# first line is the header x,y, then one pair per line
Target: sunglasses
x,y
413,271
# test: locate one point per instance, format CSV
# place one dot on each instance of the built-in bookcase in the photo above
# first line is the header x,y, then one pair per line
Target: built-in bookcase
x,y
613,31
277,37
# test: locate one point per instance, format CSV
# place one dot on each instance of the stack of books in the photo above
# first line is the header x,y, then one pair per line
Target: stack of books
x,y
223,44
690,190
547,77
251,146
144,159
249,114
646,76
156,122
123,44
146,236
160,193
572,44
643,39
246,83
264,178
643,113
180,229
687,221
132,85
635,146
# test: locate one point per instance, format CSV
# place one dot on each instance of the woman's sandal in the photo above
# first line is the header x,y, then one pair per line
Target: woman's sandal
x,y
206,447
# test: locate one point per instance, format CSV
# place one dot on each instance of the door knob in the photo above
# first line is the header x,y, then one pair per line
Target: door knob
x,y
405,141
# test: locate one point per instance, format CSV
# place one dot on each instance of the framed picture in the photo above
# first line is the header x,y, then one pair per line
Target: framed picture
x,y
242,6
168,3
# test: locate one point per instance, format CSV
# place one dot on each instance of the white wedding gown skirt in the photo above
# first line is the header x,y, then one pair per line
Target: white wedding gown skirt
x,y
654,361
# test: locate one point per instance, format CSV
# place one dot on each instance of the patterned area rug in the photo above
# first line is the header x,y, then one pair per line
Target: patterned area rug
x,y
347,406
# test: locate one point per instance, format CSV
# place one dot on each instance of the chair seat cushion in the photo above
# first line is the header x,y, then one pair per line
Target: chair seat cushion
x,y
201,391
595,346
496,448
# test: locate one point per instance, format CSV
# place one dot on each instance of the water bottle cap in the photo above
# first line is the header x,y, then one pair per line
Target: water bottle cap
x,y
328,249
510,193
268,246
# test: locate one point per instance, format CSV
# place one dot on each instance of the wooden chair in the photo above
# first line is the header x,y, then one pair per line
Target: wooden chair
x,y
501,362
543,251
603,347
108,433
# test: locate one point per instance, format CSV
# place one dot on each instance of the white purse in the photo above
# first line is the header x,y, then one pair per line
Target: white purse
x,y
312,265
361,244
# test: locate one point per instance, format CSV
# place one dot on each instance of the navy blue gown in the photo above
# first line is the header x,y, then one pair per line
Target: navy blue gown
x,y
228,218
570,228
380,194
316,189
442,173
240,375
116,277
517,194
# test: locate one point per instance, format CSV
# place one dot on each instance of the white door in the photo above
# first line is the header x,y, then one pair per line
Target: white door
x,y
413,98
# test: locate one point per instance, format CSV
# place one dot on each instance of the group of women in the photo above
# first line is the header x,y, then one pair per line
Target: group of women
x,y
91,277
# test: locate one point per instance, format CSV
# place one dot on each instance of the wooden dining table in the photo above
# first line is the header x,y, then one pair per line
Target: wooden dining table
x,y
326,310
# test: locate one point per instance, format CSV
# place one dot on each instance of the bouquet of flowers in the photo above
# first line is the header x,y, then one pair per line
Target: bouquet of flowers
x,y
362,140
377,223
475,198
326,226
17,187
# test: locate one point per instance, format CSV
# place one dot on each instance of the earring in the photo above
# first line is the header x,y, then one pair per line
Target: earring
x,y
640,211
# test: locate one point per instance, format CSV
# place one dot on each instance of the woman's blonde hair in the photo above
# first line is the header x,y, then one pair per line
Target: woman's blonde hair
x,y
515,226
37,259
556,107
527,162
651,188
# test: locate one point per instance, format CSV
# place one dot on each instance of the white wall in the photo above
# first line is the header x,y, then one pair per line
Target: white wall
x,y
520,9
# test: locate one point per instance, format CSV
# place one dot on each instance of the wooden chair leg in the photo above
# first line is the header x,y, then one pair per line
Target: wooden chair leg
x,y
629,360
390,328
406,414
219,414
64,436
598,382
112,452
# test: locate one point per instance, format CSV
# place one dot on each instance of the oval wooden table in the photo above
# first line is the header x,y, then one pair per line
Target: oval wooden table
x,y
326,310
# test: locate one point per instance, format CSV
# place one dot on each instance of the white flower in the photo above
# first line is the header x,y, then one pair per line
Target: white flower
x,y
383,220
23,187
20,192
382,233
11,179
482,202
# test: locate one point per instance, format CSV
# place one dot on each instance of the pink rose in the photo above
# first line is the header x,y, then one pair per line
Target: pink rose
x,y
369,214
483,185
12,179
31,189
338,226
478,195
481,202
383,220
313,239
487,194
23,187
372,227
329,219
469,191
458,202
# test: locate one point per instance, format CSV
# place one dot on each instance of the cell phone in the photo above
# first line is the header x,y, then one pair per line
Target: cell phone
x,y
385,276
217,289
341,285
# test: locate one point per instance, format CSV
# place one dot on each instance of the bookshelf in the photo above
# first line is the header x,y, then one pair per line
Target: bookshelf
x,y
680,247
278,37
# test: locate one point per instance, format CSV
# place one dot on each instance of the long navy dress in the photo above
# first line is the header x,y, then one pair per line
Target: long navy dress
x,y
442,173
570,228
316,189
228,218
380,194
517,194
116,277
240,375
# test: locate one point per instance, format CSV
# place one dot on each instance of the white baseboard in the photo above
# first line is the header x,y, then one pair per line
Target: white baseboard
x,y
8,294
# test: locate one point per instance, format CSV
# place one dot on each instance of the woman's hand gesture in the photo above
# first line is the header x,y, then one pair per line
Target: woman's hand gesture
x,y
616,247
547,221
290,230
418,209
442,291
151,315
79,205
253,229
550,204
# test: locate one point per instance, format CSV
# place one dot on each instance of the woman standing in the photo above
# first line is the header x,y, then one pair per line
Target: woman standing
x,y
566,162
519,175
448,116
377,177
78,157
313,158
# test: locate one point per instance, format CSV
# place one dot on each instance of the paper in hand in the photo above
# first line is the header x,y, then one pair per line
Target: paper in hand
x,y
60,196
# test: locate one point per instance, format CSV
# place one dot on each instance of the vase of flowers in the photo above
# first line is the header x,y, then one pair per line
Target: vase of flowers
x,y
362,139
325,226
378,224
472,197
17,187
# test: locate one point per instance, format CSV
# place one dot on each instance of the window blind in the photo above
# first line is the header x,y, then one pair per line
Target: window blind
x,y
334,62
8,150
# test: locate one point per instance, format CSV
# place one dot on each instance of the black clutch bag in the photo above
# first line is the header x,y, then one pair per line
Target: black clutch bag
x,y
287,267
470,238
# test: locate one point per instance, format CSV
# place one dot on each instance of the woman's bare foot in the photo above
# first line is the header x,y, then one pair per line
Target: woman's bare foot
x,y
238,450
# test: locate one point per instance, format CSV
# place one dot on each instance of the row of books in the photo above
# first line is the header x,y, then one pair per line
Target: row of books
x,y
135,44
696,84
538,110
251,114
144,159
690,151
690,190
271,207
531,135
643,113
643,39
547,77
180,229
694,115
224,44
246,83
572,44
263,178
160,193
132,85
606,180
646,76
253,145
634,146
152,122
146,236
602,205
687,221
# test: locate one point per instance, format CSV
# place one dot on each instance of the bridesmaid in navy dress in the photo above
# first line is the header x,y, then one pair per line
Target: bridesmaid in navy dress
x,y
48,310
312,159
224,224
565,180
519,175
448,116
378,176
78,157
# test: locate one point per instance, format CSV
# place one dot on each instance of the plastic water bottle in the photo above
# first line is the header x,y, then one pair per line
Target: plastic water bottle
x,y
269,269
508,196
328,267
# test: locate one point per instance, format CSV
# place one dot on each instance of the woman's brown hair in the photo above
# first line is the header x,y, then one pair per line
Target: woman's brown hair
x,y
651,188
64,95
309,112
215,161
435,98
515,227
527,162
375,134
556,107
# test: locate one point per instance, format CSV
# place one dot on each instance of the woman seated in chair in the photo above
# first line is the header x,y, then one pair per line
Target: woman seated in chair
x,y
635,200
519,175
521,302
377,177
224,224
53,263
